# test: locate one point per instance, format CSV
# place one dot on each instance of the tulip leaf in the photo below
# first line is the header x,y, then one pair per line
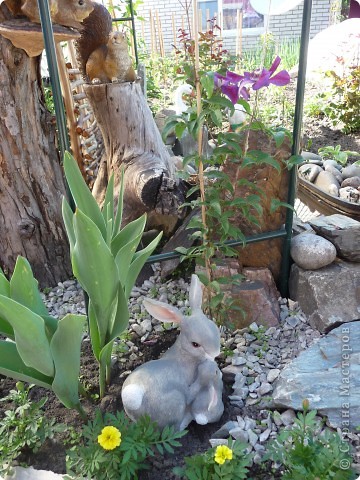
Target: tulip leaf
x,y
68,214
6,329
119,211
108,207
121,319
4,285
30,337
65,348
12,366
128,235
24,288
95,268
138,263
83,198
94,332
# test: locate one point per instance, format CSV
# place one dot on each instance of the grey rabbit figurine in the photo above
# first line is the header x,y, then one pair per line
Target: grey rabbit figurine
x,y
207,406
165,388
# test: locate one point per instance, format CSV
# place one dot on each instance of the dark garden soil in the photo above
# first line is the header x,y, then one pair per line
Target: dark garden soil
x,y
52,454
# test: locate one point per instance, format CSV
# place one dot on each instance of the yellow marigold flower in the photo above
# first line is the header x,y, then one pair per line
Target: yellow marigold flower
x,y
109,438
222,453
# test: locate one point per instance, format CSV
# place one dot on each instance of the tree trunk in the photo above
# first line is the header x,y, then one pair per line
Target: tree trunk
x,y
132,140
31,181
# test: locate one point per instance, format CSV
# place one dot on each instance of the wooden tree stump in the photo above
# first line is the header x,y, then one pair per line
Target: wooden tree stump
x,y
31,181
132,141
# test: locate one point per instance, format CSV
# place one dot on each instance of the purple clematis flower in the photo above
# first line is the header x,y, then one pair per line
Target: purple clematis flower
x,y
265,78
235,86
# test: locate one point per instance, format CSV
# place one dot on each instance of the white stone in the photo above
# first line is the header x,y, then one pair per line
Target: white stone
x,y
312,252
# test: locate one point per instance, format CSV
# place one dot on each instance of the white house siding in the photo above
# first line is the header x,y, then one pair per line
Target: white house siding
x,y
283,26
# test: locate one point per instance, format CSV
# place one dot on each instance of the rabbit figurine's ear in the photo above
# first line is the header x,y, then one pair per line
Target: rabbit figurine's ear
x,y
195,295
162,311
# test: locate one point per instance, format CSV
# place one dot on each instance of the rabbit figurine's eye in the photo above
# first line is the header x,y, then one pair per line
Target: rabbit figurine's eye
x,y
194,344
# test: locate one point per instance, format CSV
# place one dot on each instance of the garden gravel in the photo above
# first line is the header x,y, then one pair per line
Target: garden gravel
x,y
251,360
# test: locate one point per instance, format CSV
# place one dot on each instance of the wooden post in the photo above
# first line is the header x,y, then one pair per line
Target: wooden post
x,y
174,29
200,27
69,106
239,18
152,34
160,34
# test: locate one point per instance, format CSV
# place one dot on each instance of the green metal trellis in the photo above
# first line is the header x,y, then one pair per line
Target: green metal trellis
x,y
299,102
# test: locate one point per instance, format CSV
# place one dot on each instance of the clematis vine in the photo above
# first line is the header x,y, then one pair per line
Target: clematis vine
x,y
237,86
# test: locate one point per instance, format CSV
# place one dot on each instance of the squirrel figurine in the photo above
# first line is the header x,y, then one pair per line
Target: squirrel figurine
x,y
102,53
69,13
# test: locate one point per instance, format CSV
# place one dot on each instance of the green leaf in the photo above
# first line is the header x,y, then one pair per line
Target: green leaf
x,y
138,263
6,329
94,332
121,319
80,191
119,210
11,365
275,204
258,157
170,125
180,129
108,206
95,268
128,235
65,348
24,288
67,215
4,285
207,82
30,337
293,161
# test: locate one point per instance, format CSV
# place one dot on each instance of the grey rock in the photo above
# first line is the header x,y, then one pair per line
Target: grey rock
x,y
351,171
312,157
328,296
288,417
253,438
264,388
343,232
349,194
328,375
264,435
328,183
293,321
335,171
237,361
273,375
331,163
225,429
239,434
310,171
250,423
215,442
311,251
351,182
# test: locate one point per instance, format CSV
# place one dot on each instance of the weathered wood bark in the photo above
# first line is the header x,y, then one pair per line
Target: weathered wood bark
x,y
274,186
132,140
31,182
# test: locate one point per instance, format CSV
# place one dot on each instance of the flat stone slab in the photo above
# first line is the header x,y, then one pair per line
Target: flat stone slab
x,y
328,296
341,231
328,375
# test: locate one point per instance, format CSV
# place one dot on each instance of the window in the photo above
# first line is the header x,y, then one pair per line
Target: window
x,y
253,23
